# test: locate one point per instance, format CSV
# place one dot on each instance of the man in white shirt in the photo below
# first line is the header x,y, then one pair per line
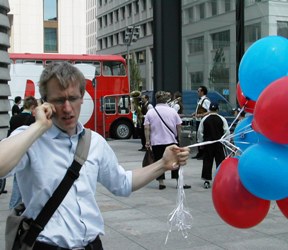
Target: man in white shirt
x,y
202,109
41,154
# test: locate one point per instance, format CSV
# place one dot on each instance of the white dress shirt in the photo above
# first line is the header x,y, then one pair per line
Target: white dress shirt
x,y
78,220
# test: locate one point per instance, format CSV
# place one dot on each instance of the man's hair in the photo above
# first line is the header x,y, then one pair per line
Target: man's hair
x,y
162,96
17,99
65,73
204,89
177,94
29,102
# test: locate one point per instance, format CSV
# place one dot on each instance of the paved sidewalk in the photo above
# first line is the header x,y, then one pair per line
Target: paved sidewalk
x,y
140,221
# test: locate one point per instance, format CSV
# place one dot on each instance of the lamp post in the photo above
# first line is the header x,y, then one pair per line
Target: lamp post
x,y
131,36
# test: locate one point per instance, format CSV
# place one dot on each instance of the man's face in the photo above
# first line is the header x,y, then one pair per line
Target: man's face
x,y
67,103
200,92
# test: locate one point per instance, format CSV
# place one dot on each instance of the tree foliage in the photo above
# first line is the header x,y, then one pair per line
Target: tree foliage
x,y
218,73
135,75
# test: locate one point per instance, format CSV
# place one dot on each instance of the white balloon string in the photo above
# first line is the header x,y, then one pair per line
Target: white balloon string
x,y
235,120
225,140
180,218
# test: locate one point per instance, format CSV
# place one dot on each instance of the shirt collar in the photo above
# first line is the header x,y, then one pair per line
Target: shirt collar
x,y
55,132
162,104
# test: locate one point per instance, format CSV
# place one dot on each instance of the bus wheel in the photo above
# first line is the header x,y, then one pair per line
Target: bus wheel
x,y
122,130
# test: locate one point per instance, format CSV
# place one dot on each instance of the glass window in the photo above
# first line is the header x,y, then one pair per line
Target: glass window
x,y
122,13
124,104
196,78
129,9
202,11
213,8
221,39
227,5
113,69
136,4
110,18
110,105
252,33
282,28
50,40
143,5
141,56
50,10
190,15
116,13
196,44
100,22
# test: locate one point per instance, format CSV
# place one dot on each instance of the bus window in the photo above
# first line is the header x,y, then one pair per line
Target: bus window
x,y
29,61
49,61
113,68
97,68
110,105
124,104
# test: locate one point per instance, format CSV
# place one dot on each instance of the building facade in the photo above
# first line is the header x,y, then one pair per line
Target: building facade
x,y
106,34
4,69
209,39
48,26
208,36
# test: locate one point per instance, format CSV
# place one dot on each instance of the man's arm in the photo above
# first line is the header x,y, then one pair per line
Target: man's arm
x,y
200,132
14,147
225,126
147,135
173,157
178,127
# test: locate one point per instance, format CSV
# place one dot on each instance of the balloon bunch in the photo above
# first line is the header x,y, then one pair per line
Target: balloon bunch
x,y
257,174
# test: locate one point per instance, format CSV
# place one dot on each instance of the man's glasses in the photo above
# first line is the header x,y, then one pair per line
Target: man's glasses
x,y
61,100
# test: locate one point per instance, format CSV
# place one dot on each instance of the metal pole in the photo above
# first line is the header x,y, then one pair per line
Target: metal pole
x,y
240,42
128,62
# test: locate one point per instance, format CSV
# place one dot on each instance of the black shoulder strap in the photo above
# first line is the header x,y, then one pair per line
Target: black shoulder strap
x,y
60,192
206,98
164,122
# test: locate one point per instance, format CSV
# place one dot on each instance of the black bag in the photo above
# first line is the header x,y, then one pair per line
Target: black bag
x,y
148,158
21,232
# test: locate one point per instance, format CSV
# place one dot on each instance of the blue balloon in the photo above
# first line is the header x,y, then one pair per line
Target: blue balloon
x,y
264,62
263,170
244,134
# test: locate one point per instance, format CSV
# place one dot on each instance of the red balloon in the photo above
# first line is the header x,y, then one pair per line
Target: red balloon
x,y
269,113
249,105
233,203
283,206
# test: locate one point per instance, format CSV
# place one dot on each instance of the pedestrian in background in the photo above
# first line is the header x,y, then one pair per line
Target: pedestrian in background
x,y
16,107
212,127
176,102
202,109
145,106
26,117
162,129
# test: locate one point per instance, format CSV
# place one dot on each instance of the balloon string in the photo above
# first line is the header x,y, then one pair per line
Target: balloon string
x,y
236,118
180,217
224,140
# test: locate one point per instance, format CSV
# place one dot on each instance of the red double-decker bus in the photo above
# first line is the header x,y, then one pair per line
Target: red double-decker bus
x,y
106,107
